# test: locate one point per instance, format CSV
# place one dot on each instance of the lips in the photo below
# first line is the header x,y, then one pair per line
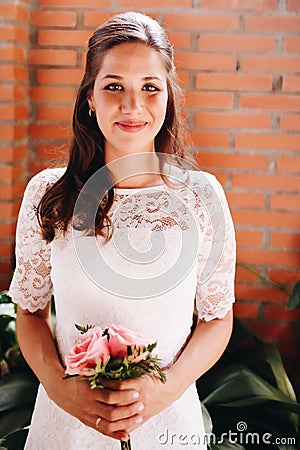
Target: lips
x,y
131,127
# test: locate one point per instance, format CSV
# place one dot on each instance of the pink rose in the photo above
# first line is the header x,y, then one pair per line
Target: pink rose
x,y
121,337
87,350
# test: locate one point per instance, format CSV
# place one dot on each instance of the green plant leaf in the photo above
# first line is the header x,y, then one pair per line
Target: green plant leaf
x,y
14,419
294,297
17,390
16,439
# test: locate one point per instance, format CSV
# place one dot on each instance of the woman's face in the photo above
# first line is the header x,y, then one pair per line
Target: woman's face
x,y
130,99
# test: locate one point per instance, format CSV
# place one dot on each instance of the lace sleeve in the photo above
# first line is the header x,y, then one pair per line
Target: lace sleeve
x,y
31,286
217,256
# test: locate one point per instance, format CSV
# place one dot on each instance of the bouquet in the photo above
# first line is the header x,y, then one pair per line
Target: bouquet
x,y
117,353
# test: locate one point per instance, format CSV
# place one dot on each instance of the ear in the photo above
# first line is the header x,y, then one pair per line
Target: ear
x,y
90,102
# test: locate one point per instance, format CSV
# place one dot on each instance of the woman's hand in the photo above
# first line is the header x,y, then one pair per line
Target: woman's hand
x,y
153,397
118,409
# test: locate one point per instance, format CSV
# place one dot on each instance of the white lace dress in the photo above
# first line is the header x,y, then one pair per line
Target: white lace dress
x,y
170,246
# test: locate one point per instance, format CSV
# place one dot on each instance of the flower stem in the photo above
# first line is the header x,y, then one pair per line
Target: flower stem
x,y
125,445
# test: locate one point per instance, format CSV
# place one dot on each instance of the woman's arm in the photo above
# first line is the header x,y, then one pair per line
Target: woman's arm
x,y
73,395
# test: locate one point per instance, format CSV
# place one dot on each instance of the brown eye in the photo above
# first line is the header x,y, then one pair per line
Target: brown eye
x,y
113,87
150,88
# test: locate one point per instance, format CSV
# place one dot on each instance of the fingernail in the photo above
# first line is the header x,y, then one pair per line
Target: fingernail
x,y
135,395
139,420
141,407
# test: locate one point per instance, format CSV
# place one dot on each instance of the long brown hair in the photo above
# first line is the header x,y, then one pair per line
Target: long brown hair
x,y
87,147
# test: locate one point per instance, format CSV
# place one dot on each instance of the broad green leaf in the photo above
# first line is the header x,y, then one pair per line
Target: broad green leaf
x,y
17,390
294,297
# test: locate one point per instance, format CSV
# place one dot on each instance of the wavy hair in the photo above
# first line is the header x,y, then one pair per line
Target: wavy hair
x,y
86,157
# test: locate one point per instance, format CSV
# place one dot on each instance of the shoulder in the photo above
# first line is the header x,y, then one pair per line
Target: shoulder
x,y
43,180
201,180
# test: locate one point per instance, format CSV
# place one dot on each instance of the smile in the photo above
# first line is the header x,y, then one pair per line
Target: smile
x,y
131,127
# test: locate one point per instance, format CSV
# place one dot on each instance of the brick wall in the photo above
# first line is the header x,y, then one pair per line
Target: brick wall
x,y
239,61
14,37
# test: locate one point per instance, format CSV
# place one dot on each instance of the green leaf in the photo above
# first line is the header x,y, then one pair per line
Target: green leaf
x,y
17,390
83,329
16,440
294,297
4,298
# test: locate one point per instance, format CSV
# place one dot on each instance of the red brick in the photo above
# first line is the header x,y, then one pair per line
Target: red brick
x,y
46,18
206,139
272,23
291,83
12,153
288,163
245,200
271,102
180,40
251,5
202,21
232,120
12,72
59,76
12,92
205,61
13,53
293,5
10,191
13,112
14,12
285,240
55,113
292,44
232,160
235,81
236,42
95,18
209,99
266,182
64,38
246,310
285,202
52,132
74,3
155,3
12,132
14,33
290,122
268,141
249,238
8,209
285,276
8,230
267,219
11,172
52,94
53,57
273,332
279,313
269,63
6,249
259,293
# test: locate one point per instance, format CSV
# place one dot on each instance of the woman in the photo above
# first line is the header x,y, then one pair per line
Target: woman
x,y
160,245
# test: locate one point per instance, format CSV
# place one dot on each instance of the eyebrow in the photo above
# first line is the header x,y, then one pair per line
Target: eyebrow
x,y
118,77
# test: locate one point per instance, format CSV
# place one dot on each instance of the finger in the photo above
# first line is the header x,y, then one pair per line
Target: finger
x,y
124,425
116,413
112,397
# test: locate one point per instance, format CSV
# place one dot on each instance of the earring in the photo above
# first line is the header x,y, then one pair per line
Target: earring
x,y
91,112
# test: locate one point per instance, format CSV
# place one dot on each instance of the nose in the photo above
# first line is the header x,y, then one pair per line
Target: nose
x,y
131,102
